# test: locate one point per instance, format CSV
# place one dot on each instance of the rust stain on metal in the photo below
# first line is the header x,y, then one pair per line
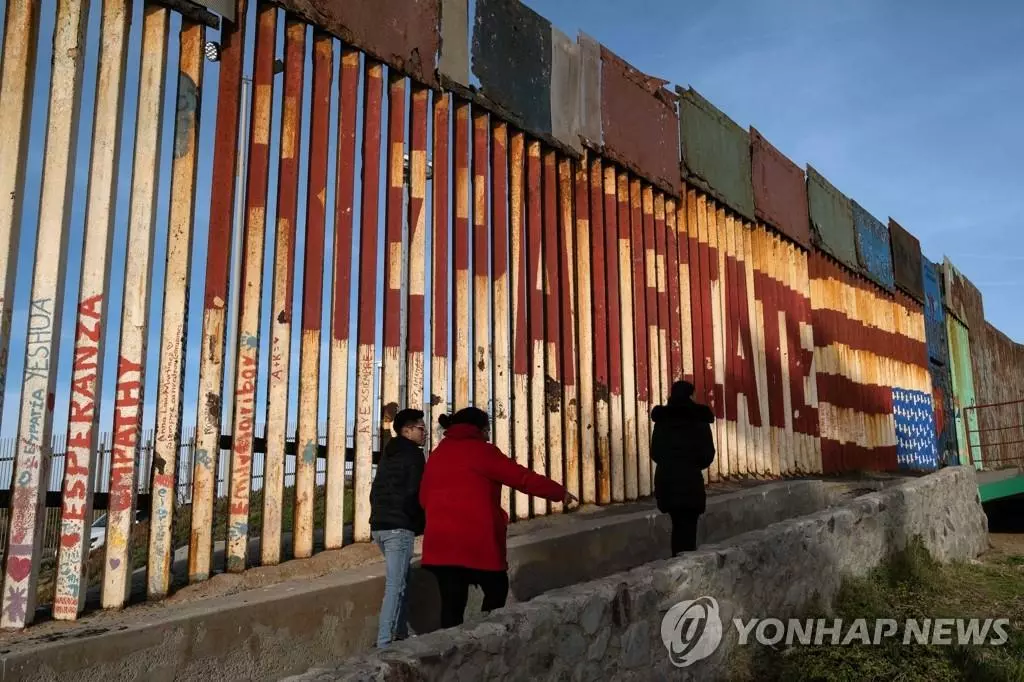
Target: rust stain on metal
x,y
780,191
405,34
586,340
520,329
439,270
639,123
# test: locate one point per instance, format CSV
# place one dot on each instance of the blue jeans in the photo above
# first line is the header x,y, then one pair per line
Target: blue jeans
x,y
397,547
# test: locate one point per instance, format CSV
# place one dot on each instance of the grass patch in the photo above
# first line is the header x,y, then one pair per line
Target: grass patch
x,y
911,585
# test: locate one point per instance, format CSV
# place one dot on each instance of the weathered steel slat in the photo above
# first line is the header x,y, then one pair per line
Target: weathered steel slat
x,y
586,343
481,258
641,315
462,358
135,315
759,406
366,297
685,309
617,431
696,298
520,330
218,265
175,310
567,291
600,336
627,323
21,34
673,266
390,377
500,293
308,438
657,224
284,281
440,234
250,305
647,327
732,372
551,281
31,473
535,312
89,354
417,258
337,400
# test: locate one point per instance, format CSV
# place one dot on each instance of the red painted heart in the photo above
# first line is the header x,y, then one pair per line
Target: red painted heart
x,y
18,568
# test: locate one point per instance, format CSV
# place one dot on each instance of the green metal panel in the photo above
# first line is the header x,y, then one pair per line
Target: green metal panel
x,y
832,227
963,389
1008,487
716,153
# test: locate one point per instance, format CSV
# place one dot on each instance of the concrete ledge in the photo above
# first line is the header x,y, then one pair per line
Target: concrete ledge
x,y
281,629
611,628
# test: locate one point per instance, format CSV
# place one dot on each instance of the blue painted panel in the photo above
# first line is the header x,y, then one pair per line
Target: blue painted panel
x,y
874,250
916,448
945,417
934,312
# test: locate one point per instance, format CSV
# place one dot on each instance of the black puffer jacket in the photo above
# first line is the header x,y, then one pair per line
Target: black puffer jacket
x,y
682,446
394,496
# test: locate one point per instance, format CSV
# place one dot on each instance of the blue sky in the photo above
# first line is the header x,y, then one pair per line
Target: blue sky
x,y
906,107
912,108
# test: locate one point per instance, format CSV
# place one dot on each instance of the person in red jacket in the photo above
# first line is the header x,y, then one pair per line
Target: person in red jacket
x,y
464,540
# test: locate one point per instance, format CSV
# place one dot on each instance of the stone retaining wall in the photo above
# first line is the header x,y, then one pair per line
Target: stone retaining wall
x,y
611,628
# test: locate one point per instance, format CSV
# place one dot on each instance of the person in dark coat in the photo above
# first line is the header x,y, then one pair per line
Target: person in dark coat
x,y
682,447
464,543
396,518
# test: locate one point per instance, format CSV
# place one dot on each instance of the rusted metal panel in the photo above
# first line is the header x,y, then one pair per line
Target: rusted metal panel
x,y
874,251
373,76
568,294
591,128
439,278
616,426
218,263
695,321
565,90
90,334
934,312
246,367
502,377
453,61
535,314
602,418
511,57
404,34
175,309
417,247
307,439
831,220
23,555
481,264
21,33
780,190
715,153
135,313
638,122
906,259
520,328
394,208
653,229
337,408
657,204
284,279
627,324
552,287
462,359
962,298
586,336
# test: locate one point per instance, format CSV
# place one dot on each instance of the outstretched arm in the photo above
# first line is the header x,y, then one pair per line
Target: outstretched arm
x,y
497,467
